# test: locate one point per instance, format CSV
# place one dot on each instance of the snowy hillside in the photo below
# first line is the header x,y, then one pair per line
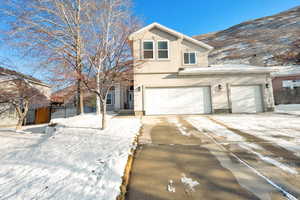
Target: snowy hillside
x,y
272,40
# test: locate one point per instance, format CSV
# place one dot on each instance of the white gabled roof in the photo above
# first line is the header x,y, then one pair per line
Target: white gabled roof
x,y
226,69
172,32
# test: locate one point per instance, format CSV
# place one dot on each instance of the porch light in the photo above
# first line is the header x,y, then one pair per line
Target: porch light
x,y
267,85
138,89
220,87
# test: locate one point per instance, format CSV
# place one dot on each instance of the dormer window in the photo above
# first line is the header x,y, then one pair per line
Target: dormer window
x,y
148,49
162,49
189,58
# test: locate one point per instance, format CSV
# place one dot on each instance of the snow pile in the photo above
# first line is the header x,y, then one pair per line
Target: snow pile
x,y
188,182
74,161
170,187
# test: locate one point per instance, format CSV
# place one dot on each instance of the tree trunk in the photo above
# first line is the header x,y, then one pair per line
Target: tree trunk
x,y
21,113
103,112
80,107
98,105
98,100
20,122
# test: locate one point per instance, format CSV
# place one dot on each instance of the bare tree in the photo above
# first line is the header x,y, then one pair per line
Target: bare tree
x,y
82,40
107,52
20,94
50,30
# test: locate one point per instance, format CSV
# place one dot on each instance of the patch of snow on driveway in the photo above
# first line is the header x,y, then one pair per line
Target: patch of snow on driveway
x,y
190,183
74,161
203,124
180,127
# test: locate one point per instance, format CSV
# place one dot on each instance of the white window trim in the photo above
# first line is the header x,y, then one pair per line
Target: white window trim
x,y
153,42
111,102
168,42
196,61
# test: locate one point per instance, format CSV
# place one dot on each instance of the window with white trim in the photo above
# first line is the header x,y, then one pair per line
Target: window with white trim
x,y
162,49
109,99
189,58
148,49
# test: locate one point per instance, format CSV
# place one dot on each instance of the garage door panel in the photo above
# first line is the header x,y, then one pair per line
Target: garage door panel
x,y
246,99
187,100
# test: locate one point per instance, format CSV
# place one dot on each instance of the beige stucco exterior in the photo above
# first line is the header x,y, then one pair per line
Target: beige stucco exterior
x,y
177,46
220,97
165,73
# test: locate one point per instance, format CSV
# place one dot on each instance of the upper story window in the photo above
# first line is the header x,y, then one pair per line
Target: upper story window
x,y
148,49
163,50
189,58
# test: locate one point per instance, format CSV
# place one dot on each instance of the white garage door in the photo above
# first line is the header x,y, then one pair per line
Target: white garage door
x,y
180,100
246,99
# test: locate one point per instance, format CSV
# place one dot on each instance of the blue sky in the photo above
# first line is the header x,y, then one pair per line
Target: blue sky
x,y
191,17
194,17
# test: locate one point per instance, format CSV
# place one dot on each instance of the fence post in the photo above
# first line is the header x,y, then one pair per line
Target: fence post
x,y
65,111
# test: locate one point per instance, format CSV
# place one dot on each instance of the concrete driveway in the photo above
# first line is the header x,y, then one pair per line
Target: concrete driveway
x,y
177,161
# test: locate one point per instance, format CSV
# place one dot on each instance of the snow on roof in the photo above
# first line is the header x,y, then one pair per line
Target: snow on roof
x,y
11,75
5,78
286,71
226,68
173,32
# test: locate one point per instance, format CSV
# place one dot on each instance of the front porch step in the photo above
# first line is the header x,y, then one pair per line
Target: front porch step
x,y
126,111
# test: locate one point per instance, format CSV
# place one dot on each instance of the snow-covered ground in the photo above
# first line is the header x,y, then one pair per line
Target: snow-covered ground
x,y
74,161
288,108
282,130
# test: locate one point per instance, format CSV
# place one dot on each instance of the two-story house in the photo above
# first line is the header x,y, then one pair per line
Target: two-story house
x,y
37,113
175,77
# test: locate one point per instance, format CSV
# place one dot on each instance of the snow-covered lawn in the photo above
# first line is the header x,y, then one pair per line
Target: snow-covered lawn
x,y
74,161
284,130
281,130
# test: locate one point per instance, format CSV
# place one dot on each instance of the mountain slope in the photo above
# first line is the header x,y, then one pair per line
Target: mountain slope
x,y
272,40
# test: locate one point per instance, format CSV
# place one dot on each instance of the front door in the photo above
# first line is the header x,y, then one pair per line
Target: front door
x,y
130,99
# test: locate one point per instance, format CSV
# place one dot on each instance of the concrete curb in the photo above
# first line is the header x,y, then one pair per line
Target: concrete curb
x,y
127,172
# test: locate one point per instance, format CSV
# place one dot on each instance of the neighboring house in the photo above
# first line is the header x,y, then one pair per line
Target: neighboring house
x,y
63,101
176,78
286,85
36,114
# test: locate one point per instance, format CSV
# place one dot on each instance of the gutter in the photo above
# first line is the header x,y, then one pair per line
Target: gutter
x,y
211,70
39,83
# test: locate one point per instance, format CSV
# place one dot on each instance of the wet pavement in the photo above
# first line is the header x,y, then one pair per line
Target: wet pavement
x,y
172,151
